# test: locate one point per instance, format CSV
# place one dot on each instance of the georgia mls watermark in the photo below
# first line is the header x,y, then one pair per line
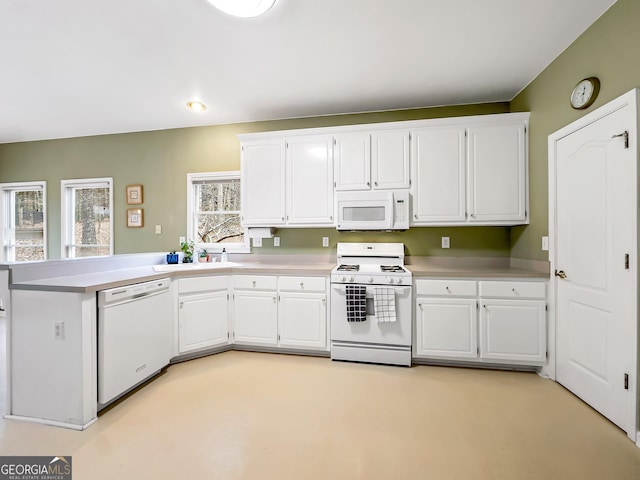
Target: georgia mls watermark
x,y
35,468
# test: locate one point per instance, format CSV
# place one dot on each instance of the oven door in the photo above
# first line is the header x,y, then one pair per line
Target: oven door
x,y
371,331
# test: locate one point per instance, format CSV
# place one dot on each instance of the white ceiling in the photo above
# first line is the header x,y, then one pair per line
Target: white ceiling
x,y
82,67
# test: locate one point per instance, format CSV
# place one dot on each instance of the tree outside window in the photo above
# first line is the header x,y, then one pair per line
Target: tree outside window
x,y
24,221
88,229
214,211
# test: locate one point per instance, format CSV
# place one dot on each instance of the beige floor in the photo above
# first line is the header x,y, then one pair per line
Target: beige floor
x,y
263,416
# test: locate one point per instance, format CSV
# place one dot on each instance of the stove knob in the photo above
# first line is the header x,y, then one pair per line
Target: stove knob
x,y
352,279
344,279
390,279
398,280
370,280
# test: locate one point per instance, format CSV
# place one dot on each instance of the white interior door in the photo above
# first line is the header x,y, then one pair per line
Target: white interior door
x,y
595,230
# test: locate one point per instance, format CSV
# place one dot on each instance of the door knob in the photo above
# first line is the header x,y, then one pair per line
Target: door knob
x,y
561,274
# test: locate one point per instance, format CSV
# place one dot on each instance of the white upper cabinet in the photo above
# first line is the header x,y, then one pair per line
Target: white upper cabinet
x,y
352,156
309,181
460,171
497,173
438,188
263,183
390,159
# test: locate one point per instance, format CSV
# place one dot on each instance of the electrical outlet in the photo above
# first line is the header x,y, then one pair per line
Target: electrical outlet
x,y
445,242
58,330
257,242
182,240
158,229
325,241
545,244
276,241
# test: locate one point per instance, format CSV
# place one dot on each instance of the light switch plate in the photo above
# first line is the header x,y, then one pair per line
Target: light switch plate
x,y
445,242
257,242
276,241
325,241
158,229
545,244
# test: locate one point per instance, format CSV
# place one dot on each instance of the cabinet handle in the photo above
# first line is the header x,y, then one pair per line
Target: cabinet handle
x,y
331,217
181,304
368,184
324,301
448,289
473,215
375,183
283,219
287,218
301,284
415,215
274,299
254,284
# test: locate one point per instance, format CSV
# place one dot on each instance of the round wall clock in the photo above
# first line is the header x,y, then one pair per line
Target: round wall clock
x,y
585,93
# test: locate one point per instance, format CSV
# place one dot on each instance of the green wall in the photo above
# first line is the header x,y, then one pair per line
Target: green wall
x,y
609,50
160,160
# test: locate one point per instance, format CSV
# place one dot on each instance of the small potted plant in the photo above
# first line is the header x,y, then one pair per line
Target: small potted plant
x,y
204,256
187,248
172,257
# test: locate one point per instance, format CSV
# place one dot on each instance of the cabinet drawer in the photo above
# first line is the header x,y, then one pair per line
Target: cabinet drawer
x,y
513,289
303,284
202,284
446,288
254,282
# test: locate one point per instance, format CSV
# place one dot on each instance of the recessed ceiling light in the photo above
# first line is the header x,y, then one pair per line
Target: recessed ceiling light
x,y
243,8
196,106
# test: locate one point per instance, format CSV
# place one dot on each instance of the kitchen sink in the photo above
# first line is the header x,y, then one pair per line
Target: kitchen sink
x,y
178,267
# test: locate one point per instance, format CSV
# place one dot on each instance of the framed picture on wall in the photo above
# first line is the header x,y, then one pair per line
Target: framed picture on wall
x,y
134,194
135,218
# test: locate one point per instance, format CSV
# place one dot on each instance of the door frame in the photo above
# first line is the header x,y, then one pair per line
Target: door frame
x,y
628,99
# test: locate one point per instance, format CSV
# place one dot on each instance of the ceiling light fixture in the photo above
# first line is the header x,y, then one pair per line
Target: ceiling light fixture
x,y
196,106
243,8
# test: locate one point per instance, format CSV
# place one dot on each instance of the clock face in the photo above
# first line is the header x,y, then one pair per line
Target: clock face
x,y
585,93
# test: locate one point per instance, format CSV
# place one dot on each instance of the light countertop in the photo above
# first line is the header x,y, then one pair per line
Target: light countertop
x,y
93,282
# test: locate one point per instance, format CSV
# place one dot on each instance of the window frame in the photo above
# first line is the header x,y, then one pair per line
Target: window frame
x,y
8,211
66,187
192,234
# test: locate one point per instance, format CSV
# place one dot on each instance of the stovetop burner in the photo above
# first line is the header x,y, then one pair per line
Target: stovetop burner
x,y
391,268
348,268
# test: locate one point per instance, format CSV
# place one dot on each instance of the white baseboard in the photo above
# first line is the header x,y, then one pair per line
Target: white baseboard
x,y
54,423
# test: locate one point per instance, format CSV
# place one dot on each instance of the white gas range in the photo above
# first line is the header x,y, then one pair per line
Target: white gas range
x,y
371,304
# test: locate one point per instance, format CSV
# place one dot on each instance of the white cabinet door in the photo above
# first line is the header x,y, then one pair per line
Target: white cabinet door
x,y
390,159
446,328
497,173
352,157
302,320
202,321
255,318
438,187
263,183
310,181
513,330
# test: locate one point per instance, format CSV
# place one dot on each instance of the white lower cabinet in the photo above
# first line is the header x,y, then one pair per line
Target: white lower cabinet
x,y
255,310
446,327
287,312
510,327
203,319
513,321
302,313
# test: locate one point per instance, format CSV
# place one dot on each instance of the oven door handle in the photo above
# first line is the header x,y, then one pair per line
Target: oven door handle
x,y
343,288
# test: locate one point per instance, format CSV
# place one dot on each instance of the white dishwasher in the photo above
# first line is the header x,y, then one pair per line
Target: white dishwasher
x,y
135,336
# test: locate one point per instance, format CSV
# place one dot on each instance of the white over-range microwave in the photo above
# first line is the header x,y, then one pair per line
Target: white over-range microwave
x,y
373,210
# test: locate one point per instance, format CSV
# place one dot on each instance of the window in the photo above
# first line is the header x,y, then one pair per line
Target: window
x,y
213,212
24,221
87,229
